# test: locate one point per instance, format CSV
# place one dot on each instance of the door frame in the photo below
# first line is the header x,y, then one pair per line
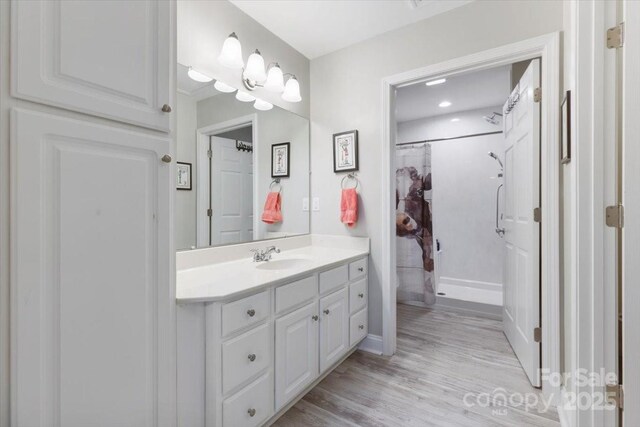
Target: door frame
x,y
203,183
546,47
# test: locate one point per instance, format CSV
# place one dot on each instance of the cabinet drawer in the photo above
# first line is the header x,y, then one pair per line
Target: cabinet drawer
x,y
358,327
256,399
245,356
333,278
247,311
290,295
358,269
357,295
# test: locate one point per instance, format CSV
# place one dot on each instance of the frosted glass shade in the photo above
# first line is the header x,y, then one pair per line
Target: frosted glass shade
x,y
244,97
275,79
262,105
198,76
292,90
255,68
223,87
231,53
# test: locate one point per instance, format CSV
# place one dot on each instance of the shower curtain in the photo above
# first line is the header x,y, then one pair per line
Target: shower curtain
x,y
414,240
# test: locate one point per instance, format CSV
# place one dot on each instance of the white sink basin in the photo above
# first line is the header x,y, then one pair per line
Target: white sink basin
x,y
284,264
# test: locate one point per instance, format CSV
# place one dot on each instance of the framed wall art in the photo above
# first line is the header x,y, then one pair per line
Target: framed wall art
x,y
183,177
280,160
345,151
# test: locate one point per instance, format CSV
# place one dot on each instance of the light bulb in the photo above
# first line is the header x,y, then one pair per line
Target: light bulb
x,y
244,97
292,90
262,105
255,68
223,87
275,79
231,53
198,76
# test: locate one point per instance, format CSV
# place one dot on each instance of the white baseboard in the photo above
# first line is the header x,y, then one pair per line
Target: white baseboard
x,y
566,416
371,344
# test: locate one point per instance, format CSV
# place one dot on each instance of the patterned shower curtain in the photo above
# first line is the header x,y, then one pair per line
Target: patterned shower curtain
x,y
414,240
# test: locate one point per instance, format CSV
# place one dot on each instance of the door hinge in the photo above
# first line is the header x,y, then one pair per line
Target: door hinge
x,y
537,215
209,212
615,36
615,395
209,153
614,216
537,94
537,334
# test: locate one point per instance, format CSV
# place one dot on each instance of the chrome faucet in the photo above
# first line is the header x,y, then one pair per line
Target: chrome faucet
x,y
264,255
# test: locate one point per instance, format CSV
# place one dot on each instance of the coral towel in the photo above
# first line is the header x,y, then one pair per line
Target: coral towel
x,y
272,206
349,207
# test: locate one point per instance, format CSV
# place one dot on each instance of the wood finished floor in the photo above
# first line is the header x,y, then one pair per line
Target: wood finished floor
x,y
442,354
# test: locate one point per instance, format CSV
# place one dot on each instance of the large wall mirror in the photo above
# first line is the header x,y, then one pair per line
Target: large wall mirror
x,y
230,157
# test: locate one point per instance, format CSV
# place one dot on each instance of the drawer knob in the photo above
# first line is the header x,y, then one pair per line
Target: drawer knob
x,y
315,318
251,412
326,311
361,295
251,312
360,269
252,357
166,108
361,327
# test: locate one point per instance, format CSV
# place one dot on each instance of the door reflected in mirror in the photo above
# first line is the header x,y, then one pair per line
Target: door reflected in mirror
x,y
239,191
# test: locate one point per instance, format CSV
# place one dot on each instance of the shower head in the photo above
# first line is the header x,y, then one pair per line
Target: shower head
x,y
492,118
494,155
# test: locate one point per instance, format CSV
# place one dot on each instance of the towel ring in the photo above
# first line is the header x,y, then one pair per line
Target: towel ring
x,y
349,176
274,183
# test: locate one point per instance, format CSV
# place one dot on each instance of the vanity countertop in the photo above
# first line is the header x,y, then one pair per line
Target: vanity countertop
x,y
231,278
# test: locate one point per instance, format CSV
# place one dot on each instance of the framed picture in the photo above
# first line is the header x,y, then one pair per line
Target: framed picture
x,y
280,160
565,155
345,151
183,177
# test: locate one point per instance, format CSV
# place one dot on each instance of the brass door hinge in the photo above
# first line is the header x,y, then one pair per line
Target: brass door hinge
x,y
615,36
537,94
615,395
209,212
537,334
209,153
614,216
537,215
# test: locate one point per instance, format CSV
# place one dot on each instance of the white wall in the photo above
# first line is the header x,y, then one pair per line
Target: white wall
x,y
346,93
203,27
185,201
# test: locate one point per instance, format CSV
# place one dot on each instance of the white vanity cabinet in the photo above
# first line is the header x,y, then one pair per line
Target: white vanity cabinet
x,y
264,350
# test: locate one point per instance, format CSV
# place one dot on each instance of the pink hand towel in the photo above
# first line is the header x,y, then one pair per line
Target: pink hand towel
x,y
349,207
272,213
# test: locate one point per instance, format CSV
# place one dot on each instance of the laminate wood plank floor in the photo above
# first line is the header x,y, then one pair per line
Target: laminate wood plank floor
x,y
443,355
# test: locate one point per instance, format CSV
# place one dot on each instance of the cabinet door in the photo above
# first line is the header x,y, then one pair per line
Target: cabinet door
x,y
334,328
93,306
296,352
107,58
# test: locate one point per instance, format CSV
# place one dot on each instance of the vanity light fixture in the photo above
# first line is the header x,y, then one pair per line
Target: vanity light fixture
x,y
254,74
436,82
198,76
444,104
262,105
244,96
223,87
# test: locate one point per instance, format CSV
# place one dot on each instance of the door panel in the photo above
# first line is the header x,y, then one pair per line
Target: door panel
x,y
334,328
521,308
73,55
93,310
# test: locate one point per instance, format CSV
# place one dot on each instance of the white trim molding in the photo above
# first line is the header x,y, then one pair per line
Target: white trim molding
x,y
371,344
546,47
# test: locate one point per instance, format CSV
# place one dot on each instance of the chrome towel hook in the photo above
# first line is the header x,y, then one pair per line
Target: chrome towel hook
x,y
350,176
275,182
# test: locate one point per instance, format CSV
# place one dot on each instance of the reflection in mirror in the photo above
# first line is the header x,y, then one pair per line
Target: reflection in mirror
x,y
246,184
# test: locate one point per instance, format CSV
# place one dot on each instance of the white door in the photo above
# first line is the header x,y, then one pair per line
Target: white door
x,y
334,328
296,352
106,58
521,306
93,324
231,193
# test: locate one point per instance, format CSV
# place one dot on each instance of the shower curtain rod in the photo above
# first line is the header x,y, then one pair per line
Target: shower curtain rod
x,y
448,139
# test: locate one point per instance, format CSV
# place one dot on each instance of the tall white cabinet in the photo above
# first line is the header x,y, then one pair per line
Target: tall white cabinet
x,y
93,299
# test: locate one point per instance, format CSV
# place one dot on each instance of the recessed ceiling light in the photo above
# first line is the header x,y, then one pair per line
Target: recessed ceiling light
x,y
444,104
455,119
436,82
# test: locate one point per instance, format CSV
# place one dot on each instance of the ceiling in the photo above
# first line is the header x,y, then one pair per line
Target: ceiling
x,y
317,27
469,91
190,87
